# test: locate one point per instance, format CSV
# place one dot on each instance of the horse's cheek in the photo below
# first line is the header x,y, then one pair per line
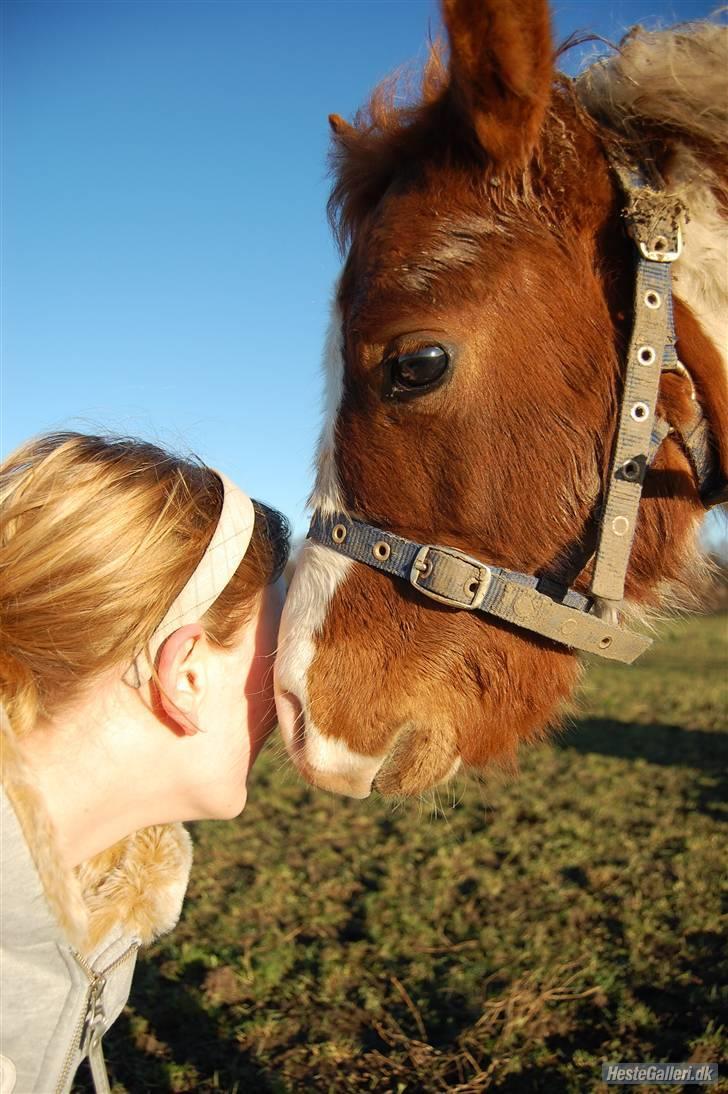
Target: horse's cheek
x,y
525,684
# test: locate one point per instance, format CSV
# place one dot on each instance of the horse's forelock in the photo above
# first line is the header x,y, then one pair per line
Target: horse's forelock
x,y
395,128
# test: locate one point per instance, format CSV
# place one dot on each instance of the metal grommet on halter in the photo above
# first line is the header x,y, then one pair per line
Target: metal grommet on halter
x,y
338,533
381,550
646,355
631,470
652,299
639,411
605,642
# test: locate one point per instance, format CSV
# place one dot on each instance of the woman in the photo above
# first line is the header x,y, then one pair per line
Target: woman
x,y
139,609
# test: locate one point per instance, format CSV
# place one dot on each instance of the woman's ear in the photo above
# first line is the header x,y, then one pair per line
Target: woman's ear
x,y
182,676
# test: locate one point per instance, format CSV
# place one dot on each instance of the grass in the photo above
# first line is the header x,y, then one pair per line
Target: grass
x,y
512,940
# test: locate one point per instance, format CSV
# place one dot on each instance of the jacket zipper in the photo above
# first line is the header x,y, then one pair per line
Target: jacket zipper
x,y
90,1026
93,1032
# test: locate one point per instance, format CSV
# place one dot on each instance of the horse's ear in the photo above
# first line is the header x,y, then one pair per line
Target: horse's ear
x,y
339,126
501,67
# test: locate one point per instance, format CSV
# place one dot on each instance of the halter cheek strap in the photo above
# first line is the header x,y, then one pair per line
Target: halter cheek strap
x,y
655,223
224,554
654,220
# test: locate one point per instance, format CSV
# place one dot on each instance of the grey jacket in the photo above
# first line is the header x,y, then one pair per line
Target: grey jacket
x,y
69,939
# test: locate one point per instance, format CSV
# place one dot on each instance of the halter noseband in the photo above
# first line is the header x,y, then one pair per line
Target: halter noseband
x,y
543,605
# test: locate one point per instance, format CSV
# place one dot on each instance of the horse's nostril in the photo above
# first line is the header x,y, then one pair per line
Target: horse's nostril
x,y
291,719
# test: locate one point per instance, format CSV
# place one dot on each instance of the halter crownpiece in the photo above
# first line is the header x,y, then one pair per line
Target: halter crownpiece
x,y
543,605
221,559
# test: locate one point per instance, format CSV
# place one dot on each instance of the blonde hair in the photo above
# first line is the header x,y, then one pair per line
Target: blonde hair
x,y
97,537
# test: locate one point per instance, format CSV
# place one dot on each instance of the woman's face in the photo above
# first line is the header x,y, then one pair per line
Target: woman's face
x,y
238,712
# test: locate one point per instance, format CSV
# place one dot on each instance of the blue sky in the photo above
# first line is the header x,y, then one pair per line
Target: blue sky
x,y
166,263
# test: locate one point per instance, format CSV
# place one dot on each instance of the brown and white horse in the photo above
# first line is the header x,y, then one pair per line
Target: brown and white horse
x,y
473,374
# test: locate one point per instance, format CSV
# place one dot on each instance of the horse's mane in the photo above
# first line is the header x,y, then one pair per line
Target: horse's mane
x,y
672,80
667,90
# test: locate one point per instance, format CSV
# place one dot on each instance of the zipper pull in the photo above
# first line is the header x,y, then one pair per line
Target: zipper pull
x,y
93,1031
94,1019
97,1063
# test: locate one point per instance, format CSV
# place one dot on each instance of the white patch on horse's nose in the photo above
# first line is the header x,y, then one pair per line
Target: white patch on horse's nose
x,y
332,765
336,783
327,762
320,571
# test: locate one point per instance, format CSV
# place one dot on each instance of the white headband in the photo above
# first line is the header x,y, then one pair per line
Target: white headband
x,y
224,554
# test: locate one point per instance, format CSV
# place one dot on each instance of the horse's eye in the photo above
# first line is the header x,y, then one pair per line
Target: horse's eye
x,y
418,371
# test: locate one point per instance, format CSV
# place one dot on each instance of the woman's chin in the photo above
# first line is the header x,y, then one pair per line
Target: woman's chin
x,y
226,806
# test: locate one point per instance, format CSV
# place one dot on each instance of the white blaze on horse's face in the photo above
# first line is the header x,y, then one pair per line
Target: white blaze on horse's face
x,y
325,760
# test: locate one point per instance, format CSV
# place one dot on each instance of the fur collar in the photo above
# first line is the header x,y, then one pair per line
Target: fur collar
x,y
137,885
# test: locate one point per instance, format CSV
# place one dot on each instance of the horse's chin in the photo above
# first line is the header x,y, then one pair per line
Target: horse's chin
x,y
405,780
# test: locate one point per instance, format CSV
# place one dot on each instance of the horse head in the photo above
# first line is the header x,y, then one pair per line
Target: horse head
x,y
474,376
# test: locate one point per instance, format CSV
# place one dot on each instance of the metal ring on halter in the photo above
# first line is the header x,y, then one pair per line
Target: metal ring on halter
x,y
631,470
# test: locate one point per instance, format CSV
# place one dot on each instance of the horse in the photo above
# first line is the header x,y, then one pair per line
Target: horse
x,y
526,409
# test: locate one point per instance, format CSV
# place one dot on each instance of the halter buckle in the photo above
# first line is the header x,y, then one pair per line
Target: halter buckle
x,y
673,245
450,577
